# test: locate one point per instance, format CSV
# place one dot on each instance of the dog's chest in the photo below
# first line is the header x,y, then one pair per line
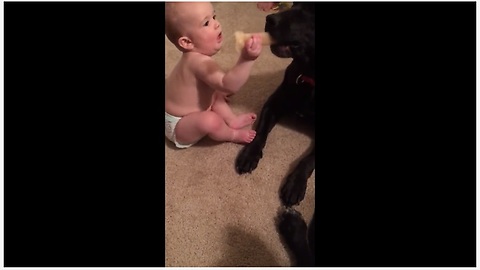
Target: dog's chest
x,y
305,103
301,95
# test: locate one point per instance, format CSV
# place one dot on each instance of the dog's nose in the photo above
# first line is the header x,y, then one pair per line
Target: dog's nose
x,y
271,21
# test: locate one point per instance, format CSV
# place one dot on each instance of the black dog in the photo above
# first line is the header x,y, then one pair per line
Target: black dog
x,y
293,32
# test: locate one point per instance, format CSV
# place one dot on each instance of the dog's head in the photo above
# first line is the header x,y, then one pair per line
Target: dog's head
x,y
293,31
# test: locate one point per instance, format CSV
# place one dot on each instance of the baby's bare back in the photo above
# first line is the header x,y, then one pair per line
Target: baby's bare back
x,y
184,93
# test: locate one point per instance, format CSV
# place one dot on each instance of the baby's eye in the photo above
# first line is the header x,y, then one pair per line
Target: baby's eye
x,y
214,17
206,23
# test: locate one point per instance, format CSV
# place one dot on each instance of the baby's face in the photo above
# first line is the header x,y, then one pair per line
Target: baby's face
x,y
203,28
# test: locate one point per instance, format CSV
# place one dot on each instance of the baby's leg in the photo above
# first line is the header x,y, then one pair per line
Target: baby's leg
x,y
221,107
193,127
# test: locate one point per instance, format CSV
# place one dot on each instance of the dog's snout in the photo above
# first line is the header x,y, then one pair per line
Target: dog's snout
x,y
271,21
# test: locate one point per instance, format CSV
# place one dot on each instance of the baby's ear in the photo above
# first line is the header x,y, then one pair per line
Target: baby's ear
x,y
185,43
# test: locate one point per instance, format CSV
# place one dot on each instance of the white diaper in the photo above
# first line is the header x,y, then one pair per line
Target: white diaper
x,y
170,124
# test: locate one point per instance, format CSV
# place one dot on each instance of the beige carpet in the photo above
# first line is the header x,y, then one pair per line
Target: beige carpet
x,y
213,216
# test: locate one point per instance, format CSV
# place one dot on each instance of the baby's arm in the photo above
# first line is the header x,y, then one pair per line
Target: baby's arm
x,y
231,81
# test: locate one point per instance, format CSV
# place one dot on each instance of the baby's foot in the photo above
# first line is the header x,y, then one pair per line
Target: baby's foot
x,y
242,120
243,136
228,97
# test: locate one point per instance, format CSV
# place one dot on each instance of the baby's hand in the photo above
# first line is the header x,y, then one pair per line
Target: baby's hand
x,y
266,6
253,47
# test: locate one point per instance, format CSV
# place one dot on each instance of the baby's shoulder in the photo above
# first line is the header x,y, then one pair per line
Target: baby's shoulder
x,y
199,62
197,58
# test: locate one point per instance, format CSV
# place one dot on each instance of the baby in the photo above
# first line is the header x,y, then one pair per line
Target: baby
x,y
196,89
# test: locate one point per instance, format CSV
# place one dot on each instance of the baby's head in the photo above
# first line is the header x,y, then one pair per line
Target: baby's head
x,y
192,27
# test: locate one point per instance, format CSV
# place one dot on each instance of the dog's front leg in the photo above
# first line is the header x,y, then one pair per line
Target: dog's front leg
x,y
293,229
250,155
293,191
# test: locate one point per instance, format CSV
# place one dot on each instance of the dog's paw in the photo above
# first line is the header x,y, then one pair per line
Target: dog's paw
x,y
293,191
247,159
293,228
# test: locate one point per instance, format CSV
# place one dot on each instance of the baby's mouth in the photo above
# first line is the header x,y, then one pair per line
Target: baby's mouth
x,y
220,36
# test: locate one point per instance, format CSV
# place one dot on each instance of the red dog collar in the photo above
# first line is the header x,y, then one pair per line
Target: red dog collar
x,y
302,78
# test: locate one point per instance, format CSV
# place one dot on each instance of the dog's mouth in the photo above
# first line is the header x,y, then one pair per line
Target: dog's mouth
x,y
282,47
283,51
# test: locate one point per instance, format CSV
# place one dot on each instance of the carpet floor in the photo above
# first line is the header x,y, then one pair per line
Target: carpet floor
x,y
213,216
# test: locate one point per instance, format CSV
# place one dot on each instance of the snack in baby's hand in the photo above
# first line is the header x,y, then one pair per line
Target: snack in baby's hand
x,y
241,37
